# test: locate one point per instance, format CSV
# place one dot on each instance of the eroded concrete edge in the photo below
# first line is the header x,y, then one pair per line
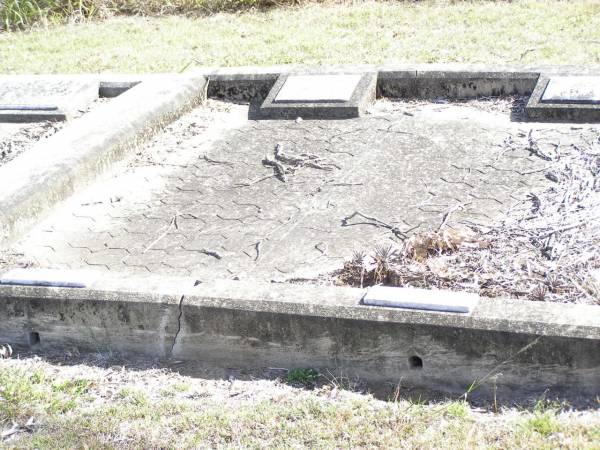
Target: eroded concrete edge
x,y
56,167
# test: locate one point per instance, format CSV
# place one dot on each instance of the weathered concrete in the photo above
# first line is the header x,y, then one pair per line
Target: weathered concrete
x,y
200,201
454,84
112,321
53,169
35,99
559,111
111,89
396,81
521,348
241,87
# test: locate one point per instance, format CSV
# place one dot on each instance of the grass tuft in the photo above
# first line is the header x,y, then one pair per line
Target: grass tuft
x,y
24,14
306,377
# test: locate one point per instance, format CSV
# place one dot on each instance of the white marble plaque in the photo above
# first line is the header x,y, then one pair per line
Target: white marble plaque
x,y
318,88
49,277
572,90
425,299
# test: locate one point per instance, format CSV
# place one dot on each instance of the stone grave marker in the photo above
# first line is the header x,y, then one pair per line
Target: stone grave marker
x,y
565,99
572,90
38,99
319,96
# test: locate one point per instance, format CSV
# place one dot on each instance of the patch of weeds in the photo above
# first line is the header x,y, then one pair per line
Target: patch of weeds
x,y
354,271
76,387
37,377
18,393
174,389
458,409
544,424
304,376
362,272
133,396
167,393
543,421
181,387
23,395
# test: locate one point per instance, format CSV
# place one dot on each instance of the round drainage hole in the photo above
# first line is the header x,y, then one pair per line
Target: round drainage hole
x,y
415,362
34,338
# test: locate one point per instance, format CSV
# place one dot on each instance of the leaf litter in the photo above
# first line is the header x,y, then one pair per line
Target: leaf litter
x,y
546,248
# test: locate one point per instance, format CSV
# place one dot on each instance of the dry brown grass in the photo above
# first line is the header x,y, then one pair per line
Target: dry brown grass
x,y
22,14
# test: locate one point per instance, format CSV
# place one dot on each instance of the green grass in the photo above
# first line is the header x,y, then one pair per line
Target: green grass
x,y
518,32
72,412
306,377
25,394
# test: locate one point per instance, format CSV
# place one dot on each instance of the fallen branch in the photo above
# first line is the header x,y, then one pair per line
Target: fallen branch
x,y
277,167
374,222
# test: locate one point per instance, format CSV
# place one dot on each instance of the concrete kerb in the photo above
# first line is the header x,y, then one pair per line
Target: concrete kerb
x,y
54,168
247,83
518,348
398,81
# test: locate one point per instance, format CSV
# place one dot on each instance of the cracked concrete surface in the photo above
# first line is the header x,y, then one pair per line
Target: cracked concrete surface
x,y
178,324
200,200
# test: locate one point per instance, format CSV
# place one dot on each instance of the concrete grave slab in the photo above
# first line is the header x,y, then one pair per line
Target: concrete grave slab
x,y
565,99
319,96
35,99
236,218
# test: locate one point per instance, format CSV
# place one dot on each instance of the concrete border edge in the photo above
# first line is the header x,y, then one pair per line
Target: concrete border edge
x,y
54,168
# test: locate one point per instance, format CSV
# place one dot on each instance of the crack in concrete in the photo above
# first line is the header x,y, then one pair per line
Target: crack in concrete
x,y
178,325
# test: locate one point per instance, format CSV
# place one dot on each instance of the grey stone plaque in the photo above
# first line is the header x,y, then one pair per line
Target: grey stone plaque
x,y
319,96
37,99
572,90
318,88
565,99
